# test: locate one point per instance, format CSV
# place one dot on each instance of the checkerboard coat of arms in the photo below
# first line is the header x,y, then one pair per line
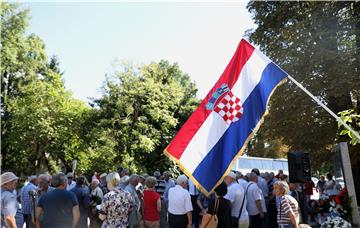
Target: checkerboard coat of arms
x,y
226,104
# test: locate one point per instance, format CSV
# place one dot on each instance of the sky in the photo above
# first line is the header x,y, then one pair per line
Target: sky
x,y
89,38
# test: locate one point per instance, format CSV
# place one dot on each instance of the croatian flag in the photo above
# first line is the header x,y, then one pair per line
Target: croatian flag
x,y
218,131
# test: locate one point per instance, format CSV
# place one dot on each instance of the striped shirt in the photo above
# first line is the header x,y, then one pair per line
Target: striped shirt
x,y
160,187
287,204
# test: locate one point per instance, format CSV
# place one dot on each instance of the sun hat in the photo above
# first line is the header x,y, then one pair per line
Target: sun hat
x,y
8,177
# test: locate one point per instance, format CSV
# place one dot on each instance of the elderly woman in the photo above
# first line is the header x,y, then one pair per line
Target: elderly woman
x,y
96,196
95,189
288,211
220,207
152,204
116,204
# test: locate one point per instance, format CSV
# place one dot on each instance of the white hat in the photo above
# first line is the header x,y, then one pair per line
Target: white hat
x,y
70,175
232,175
8,177
103,175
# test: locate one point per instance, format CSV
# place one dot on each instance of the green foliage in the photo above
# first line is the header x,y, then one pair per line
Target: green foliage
x,y
43,126
40,121
351,118
143,107
318,44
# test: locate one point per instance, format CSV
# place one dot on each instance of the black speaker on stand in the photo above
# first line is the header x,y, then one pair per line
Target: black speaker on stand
x,y
299,167
300,172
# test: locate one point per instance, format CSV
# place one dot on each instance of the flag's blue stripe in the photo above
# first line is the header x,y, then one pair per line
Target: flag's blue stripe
x,y
216,162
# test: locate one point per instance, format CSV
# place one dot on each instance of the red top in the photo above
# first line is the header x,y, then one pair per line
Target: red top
x,y
309,185
150,205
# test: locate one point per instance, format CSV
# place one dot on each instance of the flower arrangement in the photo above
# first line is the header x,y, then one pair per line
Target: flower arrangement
x,y
339,209
335,222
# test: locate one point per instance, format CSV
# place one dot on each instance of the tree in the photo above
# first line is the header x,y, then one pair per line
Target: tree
x,y
315,42
142,108
44,127
40,121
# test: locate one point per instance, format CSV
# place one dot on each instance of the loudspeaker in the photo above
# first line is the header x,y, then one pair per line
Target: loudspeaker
x,y
299,167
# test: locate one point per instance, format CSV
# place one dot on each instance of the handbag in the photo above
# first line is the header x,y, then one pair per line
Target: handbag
x,y
213,221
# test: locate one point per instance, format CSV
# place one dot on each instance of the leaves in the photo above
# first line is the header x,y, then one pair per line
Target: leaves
x,y
316,43
143,107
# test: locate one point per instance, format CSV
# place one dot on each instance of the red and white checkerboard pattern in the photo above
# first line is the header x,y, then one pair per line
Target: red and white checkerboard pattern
x,y
230,108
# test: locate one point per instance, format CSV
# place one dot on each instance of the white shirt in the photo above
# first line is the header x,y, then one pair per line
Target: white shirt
x,y
254,193
179,201
243,183
71,185
235,195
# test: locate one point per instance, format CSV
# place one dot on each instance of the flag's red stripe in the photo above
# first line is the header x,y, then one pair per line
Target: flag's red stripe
x,y
192,125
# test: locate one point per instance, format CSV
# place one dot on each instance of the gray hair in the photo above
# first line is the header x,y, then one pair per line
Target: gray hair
x,y
181,179
95,182
253,176
150,182
44,177
32,178
113,179
283,185
133,177
58,179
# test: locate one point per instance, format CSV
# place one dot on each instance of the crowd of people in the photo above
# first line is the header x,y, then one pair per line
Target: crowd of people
x,y
121,199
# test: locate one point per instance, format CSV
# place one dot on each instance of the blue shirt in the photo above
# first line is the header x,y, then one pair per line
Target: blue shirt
x,y
9,205
168,184
26,203
57,208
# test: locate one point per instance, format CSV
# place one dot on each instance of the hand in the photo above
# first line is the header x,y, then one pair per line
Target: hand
x,y
261,215
189,225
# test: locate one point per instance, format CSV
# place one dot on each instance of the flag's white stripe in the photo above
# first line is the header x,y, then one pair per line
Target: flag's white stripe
x,y
206,137
250,75
214,126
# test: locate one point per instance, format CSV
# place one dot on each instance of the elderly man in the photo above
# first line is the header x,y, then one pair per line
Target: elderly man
x,y
262,183
180,207
254,205
288,211
71,183
59,207
9,205
27,196
236,196
43,184
134,216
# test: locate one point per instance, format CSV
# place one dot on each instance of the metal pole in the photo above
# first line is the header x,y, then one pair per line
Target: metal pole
x,y
324,106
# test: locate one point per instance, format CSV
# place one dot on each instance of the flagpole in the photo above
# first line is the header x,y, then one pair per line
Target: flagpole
x,y
324,106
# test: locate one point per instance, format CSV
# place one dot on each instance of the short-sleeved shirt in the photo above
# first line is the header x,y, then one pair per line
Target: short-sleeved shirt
x,y
26,200
287,204
116,205
223,212
179,201
57,206
236,195
150,205
9,205
253,194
